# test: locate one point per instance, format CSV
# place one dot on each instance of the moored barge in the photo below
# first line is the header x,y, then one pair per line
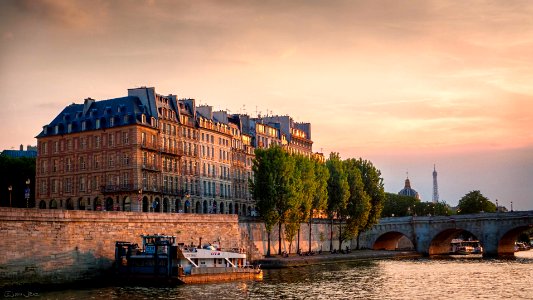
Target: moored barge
x,y
161,259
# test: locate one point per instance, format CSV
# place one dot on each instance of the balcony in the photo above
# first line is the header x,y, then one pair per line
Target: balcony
x,y
119,188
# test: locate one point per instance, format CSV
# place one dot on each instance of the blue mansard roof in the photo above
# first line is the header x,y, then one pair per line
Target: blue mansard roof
x,y
95,115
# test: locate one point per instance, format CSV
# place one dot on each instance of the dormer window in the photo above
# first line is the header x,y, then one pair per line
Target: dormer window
x,y
143,118
84,125
152,122
56,129
97,124
45,129
111,122
126,119
69,127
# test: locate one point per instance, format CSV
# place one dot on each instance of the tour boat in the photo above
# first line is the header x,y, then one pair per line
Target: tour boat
x,y
162,259
462,247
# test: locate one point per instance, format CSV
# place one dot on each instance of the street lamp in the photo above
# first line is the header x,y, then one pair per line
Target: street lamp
x,y
10,188
497,210
27,192
511,205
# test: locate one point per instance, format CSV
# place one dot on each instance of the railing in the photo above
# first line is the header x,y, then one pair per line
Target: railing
x,y
119,188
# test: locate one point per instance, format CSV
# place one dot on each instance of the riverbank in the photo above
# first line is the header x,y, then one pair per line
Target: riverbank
x,y
295,260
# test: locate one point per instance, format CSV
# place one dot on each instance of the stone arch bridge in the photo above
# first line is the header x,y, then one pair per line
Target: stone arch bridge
x,y
497,232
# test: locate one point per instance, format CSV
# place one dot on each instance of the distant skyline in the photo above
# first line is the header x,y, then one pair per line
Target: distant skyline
x,y
405,84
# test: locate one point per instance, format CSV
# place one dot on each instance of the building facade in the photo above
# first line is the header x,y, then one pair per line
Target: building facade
x,y
153,153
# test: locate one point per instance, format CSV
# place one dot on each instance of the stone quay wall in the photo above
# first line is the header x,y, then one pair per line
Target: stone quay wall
x,y
61,246
255,231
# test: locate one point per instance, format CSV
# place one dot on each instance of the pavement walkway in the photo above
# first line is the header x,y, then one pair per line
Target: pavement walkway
x,y
294,260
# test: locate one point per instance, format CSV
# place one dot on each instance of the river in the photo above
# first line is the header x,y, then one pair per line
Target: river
x,y
419,278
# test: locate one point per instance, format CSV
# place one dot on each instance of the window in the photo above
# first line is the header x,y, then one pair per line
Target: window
x,y
111,161
54,185
54,166
68,165
68,185
111,140
97,141
84,125
83,143
97,124
143,138
82,184
82,163
126,159
111,122
143,118
125,138
56,147
96,162
69,145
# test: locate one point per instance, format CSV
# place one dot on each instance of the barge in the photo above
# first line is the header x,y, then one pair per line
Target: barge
x,y
161,259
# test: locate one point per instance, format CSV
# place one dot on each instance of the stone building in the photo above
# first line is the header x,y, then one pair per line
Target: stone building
x,y
154,153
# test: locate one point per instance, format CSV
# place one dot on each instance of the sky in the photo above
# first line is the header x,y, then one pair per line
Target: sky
x,y
404,84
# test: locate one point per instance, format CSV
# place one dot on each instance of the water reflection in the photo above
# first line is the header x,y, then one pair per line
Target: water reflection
x,y
424,278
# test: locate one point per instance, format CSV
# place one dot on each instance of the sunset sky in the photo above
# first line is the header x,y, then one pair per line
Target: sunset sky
x,y
405,84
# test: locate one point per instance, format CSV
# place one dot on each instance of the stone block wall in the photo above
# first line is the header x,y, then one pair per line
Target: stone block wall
x,y
58,246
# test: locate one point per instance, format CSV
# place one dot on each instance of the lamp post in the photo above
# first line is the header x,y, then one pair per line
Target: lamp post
x,y
27,192
497,210
511,205
10,188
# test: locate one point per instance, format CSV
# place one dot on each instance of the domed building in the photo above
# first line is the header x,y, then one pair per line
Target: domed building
x,y
408,191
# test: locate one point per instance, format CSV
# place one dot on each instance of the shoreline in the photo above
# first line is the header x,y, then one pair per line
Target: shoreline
x,y
295,260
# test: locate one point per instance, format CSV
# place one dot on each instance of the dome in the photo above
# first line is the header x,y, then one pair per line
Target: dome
x,y
408,191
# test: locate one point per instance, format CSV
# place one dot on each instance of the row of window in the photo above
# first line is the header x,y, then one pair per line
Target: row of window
x,y
85,143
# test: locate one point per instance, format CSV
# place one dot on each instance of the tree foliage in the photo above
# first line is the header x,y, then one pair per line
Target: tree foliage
x,y
358,205
338,191
474,202
274,187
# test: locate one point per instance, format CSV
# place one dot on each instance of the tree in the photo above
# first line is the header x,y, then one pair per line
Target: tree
x,y
263,190
320,196
474,202
305,189
375,189
398,205
338,192
358,205
273,187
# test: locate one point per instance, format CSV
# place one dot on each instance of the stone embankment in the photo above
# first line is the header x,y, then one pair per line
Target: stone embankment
x,y
294,260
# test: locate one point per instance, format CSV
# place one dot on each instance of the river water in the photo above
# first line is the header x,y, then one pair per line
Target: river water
x,y
419,278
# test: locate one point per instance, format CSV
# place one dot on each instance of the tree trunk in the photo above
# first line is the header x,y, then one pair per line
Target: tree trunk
x,y
358,235
340,235
268,244
331,236
279,238
298,241
310,226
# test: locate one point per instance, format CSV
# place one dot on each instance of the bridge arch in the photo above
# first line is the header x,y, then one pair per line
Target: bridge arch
x,y
441,243
506,243
393,240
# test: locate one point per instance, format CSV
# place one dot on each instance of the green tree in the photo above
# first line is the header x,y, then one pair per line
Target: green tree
x,y
306,186
273,187
374,188
358,205
338,192
320,196
398,205
474,202
264,192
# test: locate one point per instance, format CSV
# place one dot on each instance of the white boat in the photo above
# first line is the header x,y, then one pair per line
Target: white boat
x,y
462,247
162,259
